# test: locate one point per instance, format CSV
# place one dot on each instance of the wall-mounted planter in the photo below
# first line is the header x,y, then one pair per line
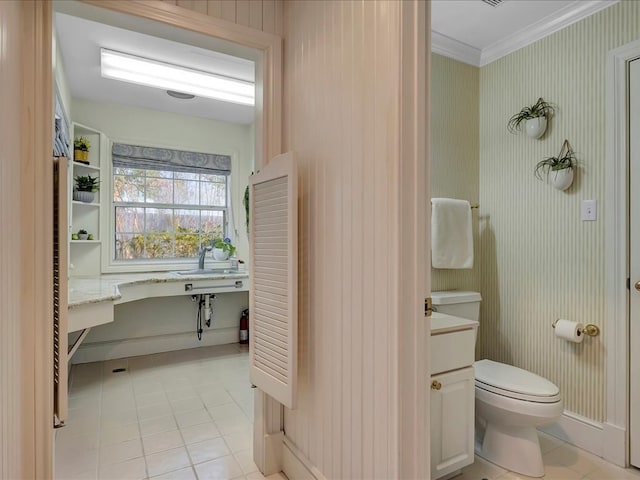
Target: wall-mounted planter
x,y
533,119
535,127
558,170
561,179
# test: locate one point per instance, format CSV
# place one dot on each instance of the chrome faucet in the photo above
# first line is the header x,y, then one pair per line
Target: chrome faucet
x,y
201,254
234,263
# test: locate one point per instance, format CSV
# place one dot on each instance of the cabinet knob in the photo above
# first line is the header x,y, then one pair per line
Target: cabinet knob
x,y
637,285
436,385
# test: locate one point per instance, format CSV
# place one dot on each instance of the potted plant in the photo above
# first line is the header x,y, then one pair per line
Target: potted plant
x,y
534,119
85,189
82,234
559,170
81,148
223,248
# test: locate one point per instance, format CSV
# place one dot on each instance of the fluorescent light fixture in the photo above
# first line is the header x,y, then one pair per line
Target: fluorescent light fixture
x,y
143,71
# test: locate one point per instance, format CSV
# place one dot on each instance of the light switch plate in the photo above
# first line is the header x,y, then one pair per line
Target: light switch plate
x,y
589,210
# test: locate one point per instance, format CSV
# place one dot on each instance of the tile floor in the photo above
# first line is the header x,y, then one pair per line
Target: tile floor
x,y
561,462
176,415
187,415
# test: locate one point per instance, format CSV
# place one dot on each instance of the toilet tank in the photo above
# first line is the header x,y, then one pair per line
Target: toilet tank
x,y
458,303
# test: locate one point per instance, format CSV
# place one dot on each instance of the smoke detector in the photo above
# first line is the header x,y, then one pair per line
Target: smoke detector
x,y
493,3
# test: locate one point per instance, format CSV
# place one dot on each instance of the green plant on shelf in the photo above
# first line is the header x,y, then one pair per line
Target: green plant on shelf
x,y
87,183
82,144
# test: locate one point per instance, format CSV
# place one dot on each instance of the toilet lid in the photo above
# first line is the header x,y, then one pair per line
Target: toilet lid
x,y
514,382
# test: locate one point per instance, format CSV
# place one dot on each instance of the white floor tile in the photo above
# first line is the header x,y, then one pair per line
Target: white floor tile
x,y
154,411
162,441
199,433
119,452
120,433
167,461
156,425
183,474
233,424
130,470
245,460
224,468
241,440
208,450
195,417
186,405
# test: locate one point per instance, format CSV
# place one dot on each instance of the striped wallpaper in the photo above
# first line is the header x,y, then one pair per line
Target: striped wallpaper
x,y
539,261
455,96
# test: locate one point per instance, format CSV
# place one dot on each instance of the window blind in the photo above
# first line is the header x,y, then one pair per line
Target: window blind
x,y
153,158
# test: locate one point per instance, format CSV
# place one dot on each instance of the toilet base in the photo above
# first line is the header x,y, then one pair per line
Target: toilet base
x,y
514,448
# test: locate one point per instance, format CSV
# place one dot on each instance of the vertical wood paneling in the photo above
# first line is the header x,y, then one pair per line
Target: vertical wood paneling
x,y
539,262
242,12
455,130
265,15
228,10
255,14
269,16
214,8
10,249
195,5
346,138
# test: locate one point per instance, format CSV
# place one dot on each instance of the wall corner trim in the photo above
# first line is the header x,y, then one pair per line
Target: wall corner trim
x,y
572,13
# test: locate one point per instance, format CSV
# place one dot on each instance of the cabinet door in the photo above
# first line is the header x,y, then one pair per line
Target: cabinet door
x,y
452,421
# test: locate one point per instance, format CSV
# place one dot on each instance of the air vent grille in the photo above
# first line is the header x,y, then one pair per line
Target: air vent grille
x,y
493,3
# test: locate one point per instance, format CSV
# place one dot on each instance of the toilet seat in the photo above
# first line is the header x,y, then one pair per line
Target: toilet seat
x,y
513,382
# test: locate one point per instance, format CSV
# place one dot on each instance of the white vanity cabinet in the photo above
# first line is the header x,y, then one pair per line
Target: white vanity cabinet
x,y
452,394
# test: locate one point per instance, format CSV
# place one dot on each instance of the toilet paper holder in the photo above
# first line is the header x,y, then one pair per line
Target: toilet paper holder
x,y
589,329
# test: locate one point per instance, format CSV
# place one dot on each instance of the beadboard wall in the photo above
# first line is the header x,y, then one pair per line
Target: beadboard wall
x,y
265,15
539,261
455,129
341,101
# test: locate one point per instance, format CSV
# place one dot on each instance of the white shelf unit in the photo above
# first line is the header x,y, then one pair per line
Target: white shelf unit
x,y
84,255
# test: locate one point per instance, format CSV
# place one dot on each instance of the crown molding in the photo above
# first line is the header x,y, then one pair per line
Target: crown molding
x,y
572,13
447,46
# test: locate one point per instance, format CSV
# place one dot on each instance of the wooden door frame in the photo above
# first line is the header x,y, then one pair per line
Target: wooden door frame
x,y
616,431
268,413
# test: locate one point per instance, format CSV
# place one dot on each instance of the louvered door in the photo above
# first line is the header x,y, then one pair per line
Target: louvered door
x,y
273,231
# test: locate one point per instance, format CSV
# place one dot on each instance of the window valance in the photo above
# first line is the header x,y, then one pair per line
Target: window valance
x,y
152,158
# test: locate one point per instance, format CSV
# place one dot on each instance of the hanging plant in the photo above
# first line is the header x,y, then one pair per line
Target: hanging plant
x,y
559,170
534,118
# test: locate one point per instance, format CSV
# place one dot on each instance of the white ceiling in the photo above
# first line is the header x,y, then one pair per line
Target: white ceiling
x,y
80,41
476,33
466,30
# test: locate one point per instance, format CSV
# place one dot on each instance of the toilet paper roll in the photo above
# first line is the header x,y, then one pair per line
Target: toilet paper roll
x,y
571,331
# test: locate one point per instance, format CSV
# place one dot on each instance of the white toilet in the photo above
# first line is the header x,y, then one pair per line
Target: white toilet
x,y
510,402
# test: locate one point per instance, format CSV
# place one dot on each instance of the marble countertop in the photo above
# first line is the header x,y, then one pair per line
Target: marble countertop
x,y
443,323
102,288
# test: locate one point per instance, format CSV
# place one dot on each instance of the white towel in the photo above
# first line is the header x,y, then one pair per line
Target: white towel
x,y
451,234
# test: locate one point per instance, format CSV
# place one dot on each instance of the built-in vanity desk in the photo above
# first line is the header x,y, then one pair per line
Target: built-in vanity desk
x,y
92,299
453,342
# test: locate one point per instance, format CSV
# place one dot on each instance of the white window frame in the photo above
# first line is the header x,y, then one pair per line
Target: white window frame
x,y
108,225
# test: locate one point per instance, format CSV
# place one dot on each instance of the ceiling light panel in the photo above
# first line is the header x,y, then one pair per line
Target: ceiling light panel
x,y
152,73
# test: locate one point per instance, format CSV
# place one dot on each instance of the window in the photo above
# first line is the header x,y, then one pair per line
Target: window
x,y
164,210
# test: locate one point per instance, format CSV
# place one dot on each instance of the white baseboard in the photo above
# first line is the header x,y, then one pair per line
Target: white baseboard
x,y
577,430
131,347
615,444
295,465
